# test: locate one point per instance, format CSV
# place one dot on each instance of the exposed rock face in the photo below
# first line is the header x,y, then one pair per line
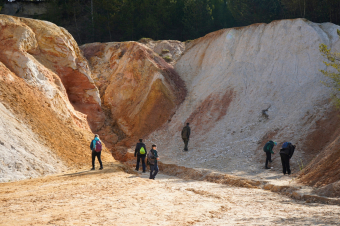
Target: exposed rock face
x,y
138,87
248,85
169,50
44,80
48,57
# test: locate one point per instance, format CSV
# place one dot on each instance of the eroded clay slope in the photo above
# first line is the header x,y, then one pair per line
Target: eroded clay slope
x,y
48,57
248,85
44,82
138,88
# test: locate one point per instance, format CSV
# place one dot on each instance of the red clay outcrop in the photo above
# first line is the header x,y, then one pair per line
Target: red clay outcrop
x,y
48,57
139,89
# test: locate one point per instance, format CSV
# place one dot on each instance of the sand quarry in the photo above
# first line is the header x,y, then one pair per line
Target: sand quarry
x,y
54,95
119,196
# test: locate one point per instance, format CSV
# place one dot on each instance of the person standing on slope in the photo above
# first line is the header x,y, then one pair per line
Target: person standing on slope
x,y
186,136
268,148
286,154
153,161
96,147
140,152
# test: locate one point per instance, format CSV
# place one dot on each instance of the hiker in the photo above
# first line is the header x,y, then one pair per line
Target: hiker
x,y
140,152
286,154
268,148
153,162
96,147
186,136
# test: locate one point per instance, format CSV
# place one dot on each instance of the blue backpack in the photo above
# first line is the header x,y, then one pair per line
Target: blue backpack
x,y
285,145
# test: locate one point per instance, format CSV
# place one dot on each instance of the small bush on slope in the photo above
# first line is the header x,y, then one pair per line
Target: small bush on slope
x,y
334,62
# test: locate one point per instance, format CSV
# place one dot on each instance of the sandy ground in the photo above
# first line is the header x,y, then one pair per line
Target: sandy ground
x,y
116,196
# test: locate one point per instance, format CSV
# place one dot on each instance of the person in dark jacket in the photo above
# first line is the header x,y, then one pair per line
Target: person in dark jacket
x,y
286,154
268,148
140,152
153,162
186,136
96,153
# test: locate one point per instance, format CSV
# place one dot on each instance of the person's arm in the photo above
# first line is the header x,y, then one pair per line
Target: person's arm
x,y
182,132
291,151
136,149
271,149
189,132
156,155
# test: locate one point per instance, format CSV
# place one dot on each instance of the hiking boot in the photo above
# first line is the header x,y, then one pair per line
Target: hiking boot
x,y
267,167
144,171
92,169
100,168
270,160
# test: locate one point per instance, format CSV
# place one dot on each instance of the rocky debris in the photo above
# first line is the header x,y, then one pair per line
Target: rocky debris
x,y
169,50
330,190
138,88
232,75
48,57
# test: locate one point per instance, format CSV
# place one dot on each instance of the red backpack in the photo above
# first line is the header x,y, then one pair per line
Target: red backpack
x,y
98,146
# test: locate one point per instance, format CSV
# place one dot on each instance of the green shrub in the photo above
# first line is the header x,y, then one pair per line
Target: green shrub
x,y
167,59
334,73
145,40
165,51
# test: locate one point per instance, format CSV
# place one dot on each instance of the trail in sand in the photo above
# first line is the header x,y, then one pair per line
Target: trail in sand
x,y
115,197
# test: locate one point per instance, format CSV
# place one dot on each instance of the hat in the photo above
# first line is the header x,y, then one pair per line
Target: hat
x,y
275,143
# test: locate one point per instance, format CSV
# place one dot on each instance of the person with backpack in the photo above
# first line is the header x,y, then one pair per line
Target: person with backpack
x,y
186,136
286,154
153,162
268,149
140,152
96,147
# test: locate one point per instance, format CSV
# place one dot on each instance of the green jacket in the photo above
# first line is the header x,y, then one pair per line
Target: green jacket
x,y
269,147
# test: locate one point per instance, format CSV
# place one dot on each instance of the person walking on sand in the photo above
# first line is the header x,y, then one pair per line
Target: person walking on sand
x,y
153,162
186,136
286,154
140,153
96,147
268,148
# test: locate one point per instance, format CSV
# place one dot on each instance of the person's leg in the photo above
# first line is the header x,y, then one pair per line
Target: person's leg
x,y
151,171
143,163
288,165
138,160
93,158
283,161
156,169
100,159
267,159
186,142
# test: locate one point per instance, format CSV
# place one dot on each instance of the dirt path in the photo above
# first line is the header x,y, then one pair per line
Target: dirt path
x,y
114,197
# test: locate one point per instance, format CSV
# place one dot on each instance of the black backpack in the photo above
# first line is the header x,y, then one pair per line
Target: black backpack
x,y
150,158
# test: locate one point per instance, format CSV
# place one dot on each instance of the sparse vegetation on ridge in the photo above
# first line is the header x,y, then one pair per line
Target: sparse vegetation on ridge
x,y
333,61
